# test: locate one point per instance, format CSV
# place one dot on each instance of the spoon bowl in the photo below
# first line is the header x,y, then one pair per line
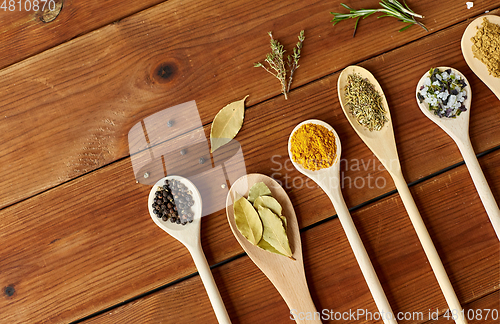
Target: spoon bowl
x,y
189,236
324,177
379,142
478,67
287,275
329,180
458,129
383,145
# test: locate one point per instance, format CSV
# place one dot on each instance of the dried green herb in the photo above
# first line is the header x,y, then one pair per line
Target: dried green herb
x,y
274,233
247,220
364,102
227,123
390,8
258,189
277,64
273,225
268,202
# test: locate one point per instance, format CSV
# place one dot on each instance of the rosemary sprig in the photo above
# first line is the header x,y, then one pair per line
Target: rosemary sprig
x,y
390,8
277,64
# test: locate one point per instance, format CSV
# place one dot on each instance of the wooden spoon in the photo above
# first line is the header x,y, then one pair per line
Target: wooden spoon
x,y
329,180
286,275
458,129
189,235
383,145
478,67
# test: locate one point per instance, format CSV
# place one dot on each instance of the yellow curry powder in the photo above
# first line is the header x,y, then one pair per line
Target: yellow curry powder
x,y
486,46
313,147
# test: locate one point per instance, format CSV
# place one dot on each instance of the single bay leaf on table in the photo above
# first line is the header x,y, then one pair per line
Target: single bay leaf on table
x,y
226,124
258,189
268,202
274,233
247,220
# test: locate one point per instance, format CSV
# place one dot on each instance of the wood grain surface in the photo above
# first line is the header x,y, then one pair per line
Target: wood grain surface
x,y
335,281
75,233
27,33
72,116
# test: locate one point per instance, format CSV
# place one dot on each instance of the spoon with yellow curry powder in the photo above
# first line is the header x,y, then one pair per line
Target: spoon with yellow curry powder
x,y
314,148
383,145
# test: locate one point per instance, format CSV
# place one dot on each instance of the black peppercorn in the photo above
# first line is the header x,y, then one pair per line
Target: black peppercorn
x,y
173,201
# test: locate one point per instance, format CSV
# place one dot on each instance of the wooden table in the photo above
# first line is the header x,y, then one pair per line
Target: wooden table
x,y
77,242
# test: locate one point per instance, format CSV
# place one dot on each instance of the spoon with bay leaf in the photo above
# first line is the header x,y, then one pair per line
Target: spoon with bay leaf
x,y
383,145
286,274
478,67
189,235
329,180
458,129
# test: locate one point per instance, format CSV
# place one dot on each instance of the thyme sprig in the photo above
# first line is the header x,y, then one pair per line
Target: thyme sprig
x,y
293,61
390,8
277,64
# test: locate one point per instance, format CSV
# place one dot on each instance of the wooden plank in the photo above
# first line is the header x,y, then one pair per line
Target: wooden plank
x,y
133,252
27,33
85,95
82,247
469,253
483,310
110,251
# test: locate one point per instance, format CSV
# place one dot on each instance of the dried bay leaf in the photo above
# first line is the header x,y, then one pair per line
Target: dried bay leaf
x,y
226,124
247,220
274,233
285,224
258,189
263,244
268,202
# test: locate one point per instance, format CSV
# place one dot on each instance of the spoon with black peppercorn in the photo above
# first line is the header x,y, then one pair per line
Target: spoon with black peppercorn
x,y
188,233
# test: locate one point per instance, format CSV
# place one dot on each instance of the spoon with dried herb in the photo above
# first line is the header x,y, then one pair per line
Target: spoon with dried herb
x,y
189,236
480,44
458,129
314,148
286,273
383,146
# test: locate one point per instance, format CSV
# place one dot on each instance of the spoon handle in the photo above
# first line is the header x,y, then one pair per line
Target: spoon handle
x,y
299,301
208,281
481,184
362,257
429,249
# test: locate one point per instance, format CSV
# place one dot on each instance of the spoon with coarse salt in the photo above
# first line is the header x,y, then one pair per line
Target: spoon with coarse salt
x,y
329,180
458,129
383,146
478,67
189,235
286,274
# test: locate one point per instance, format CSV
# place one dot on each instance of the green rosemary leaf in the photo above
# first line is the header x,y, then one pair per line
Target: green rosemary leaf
x,y
405,28
389,8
